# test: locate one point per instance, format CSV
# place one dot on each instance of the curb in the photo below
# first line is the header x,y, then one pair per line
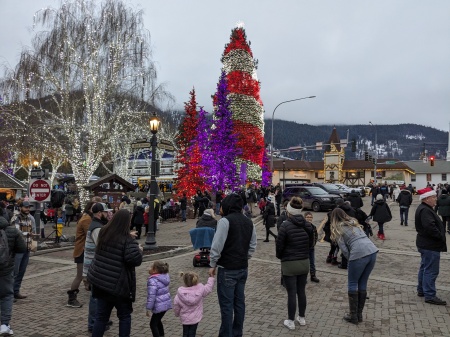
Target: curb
x,y
163,255
51,250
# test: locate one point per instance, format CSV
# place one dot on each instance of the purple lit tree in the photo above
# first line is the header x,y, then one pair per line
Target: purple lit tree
x,y
266,174
223,142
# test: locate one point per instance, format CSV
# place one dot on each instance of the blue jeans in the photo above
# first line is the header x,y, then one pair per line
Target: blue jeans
x,y
230,292
359,271
92,312
6,297
218,208
312,261
20,266
104,307
428,272
404,215
183,215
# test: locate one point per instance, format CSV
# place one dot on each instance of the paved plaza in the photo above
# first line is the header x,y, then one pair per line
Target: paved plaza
x,y
392,310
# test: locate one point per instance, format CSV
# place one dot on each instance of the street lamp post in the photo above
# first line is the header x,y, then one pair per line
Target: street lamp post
x,y
150,239
284,168
273,115
37,208
376,156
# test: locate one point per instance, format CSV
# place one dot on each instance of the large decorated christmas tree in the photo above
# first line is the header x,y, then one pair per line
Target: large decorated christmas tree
x,y
223,142
245,104
189,158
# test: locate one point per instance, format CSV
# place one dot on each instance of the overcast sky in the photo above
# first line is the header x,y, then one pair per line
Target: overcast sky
x,y
384,61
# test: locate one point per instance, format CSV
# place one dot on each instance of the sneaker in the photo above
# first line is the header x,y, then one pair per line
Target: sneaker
x,y
5,330
436,300
289,324
74,304
266,241
301,320
19,296
420,294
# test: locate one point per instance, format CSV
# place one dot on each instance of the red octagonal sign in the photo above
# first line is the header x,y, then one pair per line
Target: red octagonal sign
x,y
40,190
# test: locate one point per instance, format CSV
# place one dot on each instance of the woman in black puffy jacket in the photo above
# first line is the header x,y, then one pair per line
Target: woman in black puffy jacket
x,y
292,247
112,273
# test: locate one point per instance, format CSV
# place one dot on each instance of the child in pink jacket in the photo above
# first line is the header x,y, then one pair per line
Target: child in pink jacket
x,y
188,302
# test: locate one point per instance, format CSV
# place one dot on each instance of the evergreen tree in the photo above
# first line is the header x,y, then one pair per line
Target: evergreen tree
x,y
245,103
223,142
187,133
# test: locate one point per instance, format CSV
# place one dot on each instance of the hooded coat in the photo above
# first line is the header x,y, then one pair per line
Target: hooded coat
x,y
404,198
188,302
443,205
206,220
381,212
269,215
355,200
16,244
158,294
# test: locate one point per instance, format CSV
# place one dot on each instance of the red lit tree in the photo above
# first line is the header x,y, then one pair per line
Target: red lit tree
x,y
187,133
246,105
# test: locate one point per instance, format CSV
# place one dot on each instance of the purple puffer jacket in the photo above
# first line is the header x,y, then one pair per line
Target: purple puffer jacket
x,y
158,294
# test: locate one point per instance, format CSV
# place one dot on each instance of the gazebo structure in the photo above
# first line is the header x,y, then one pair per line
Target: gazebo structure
x,y
10,187
110,188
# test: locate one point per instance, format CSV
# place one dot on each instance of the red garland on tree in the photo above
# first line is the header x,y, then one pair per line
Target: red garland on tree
x,y
188,156
246,104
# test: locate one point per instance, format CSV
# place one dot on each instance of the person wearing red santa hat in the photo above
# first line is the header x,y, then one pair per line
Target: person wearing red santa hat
x,y
430,242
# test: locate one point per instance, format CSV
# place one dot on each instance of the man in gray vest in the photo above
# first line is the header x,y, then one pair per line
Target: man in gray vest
x,y
232,247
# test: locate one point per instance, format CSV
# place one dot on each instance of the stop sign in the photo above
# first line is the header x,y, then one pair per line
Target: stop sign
x,y
40,190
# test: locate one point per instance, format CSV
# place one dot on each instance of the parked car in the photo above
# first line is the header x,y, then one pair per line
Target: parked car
x,y
313,197
332,189
349,190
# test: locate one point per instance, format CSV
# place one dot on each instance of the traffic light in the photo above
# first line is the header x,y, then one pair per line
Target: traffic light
x,y
374,160
432,161
353,145
366,156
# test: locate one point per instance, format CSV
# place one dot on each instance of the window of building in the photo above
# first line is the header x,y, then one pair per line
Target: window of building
x,y
444,177
413,177
428,176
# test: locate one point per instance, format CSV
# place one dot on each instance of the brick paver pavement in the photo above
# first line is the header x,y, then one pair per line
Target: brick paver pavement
x,y
392,310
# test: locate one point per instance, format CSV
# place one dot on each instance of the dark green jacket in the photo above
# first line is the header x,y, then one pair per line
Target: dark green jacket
x,y
443,205
15,242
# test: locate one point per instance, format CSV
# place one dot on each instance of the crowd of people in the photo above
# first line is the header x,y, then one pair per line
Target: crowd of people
x,y
106,253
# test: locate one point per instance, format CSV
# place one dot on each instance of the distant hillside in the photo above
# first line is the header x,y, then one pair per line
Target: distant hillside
x,y
401,141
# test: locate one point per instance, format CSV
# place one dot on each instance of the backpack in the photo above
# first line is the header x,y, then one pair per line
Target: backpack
x,y
4,250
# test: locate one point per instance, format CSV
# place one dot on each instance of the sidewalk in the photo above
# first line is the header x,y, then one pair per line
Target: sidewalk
x,y
392,310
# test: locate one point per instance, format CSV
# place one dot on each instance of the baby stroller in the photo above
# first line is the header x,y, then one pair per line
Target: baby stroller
x,y
201,238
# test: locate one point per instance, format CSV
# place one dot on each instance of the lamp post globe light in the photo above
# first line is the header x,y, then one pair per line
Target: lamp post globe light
x,y
150,239
273,115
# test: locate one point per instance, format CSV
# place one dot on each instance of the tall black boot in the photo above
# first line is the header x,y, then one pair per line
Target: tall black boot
x,y
362,295
352,317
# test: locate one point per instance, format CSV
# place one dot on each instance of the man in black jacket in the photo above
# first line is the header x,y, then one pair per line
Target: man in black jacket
x,y
232,247
430,243
404,200
16,244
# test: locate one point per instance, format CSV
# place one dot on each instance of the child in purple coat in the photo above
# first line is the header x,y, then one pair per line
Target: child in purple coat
x,y
188,302
158,296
